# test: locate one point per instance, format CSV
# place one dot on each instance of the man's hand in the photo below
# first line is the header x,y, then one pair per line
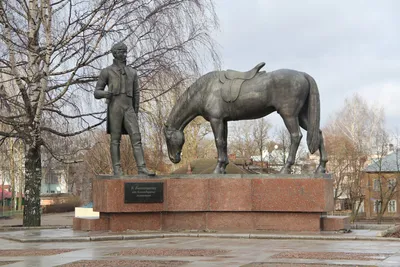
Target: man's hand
x,y
98,94
107,94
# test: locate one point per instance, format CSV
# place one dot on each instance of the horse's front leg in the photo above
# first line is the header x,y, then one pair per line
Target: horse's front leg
x,y
292,124
220,131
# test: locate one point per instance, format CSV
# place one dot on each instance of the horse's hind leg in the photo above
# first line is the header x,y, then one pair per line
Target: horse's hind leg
x,y
292,124
220,130
323,157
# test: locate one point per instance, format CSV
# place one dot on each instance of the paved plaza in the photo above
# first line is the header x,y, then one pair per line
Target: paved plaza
x,y
65,247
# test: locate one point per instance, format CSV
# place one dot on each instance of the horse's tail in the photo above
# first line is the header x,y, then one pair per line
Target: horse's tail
x,y
313,134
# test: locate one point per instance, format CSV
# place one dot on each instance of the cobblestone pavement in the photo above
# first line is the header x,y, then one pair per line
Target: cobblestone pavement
x,y
198,251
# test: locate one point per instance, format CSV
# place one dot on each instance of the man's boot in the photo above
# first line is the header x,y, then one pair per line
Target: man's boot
x,y
115,157
139,155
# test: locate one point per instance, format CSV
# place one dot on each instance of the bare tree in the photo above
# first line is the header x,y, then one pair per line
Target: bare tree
x,y
195,132
360,123
279,149
51,52
341,156
352,139
260,136
282,140
241,140
384,171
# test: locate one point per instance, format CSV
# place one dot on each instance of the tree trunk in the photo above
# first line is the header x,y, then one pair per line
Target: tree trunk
x,y
20,174
354,212
33,178
2,196
379,218
12,175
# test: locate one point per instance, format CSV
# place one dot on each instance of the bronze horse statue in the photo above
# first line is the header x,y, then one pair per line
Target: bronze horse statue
x,y
222,96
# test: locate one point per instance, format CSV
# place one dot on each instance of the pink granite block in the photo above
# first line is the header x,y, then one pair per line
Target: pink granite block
x,y
135,221
100,224
292,194
76,223
183,221
187,195
282,221
109,196
230,221
230,194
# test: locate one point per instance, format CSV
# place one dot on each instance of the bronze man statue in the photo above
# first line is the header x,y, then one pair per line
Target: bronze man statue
x,y
123,107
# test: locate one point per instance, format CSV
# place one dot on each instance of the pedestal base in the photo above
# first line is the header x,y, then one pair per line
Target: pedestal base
x,y
216,202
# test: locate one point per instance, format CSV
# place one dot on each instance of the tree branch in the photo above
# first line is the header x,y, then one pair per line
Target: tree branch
x,y
50,130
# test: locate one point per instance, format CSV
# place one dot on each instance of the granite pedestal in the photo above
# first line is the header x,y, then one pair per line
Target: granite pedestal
x,y
216,202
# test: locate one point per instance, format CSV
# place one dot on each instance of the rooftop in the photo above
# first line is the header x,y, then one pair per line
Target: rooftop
x,y
388,163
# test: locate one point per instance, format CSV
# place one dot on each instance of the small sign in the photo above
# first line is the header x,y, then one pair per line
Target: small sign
x,y
144,192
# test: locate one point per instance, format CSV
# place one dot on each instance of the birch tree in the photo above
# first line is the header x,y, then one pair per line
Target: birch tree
x,y
260,136
384,170
241,141
51,52
360,126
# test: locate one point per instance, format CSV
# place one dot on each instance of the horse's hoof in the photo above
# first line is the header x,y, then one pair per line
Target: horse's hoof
x,y
320,170
285,171
218,171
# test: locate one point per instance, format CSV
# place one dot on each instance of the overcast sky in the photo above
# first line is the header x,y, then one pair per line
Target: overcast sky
x,y
347,46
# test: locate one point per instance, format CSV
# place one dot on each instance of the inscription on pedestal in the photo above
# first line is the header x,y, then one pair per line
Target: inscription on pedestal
x,y
144,192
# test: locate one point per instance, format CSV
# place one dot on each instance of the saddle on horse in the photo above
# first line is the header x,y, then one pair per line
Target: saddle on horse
x,y
232,81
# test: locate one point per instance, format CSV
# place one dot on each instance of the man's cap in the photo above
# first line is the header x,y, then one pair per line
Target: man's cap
x,y
118,46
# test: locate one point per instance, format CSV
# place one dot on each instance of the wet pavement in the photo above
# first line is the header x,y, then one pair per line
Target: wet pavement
x,y
65,247
48,219
69,235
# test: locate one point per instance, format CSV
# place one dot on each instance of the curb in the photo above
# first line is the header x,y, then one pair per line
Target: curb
x,y
198,235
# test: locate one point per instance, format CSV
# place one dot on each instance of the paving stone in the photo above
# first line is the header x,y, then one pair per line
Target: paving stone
x,y
281,264
168,252
32,252
332,256
242,251
136,263
7,262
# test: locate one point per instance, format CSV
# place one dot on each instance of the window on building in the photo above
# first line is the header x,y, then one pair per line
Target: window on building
x,y
377,185
392,206
51,177
377,206
392,183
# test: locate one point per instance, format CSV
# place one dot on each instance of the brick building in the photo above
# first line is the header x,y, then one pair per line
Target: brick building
x,y
381,185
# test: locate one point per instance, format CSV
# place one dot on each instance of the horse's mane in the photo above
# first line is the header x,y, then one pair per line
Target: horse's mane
x,y
189,94
195,87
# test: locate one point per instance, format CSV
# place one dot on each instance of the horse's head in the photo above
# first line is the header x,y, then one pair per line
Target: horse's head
x,y
175,140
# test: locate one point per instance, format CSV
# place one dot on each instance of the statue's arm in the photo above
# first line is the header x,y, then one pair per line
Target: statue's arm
x,y
101,85
136,93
